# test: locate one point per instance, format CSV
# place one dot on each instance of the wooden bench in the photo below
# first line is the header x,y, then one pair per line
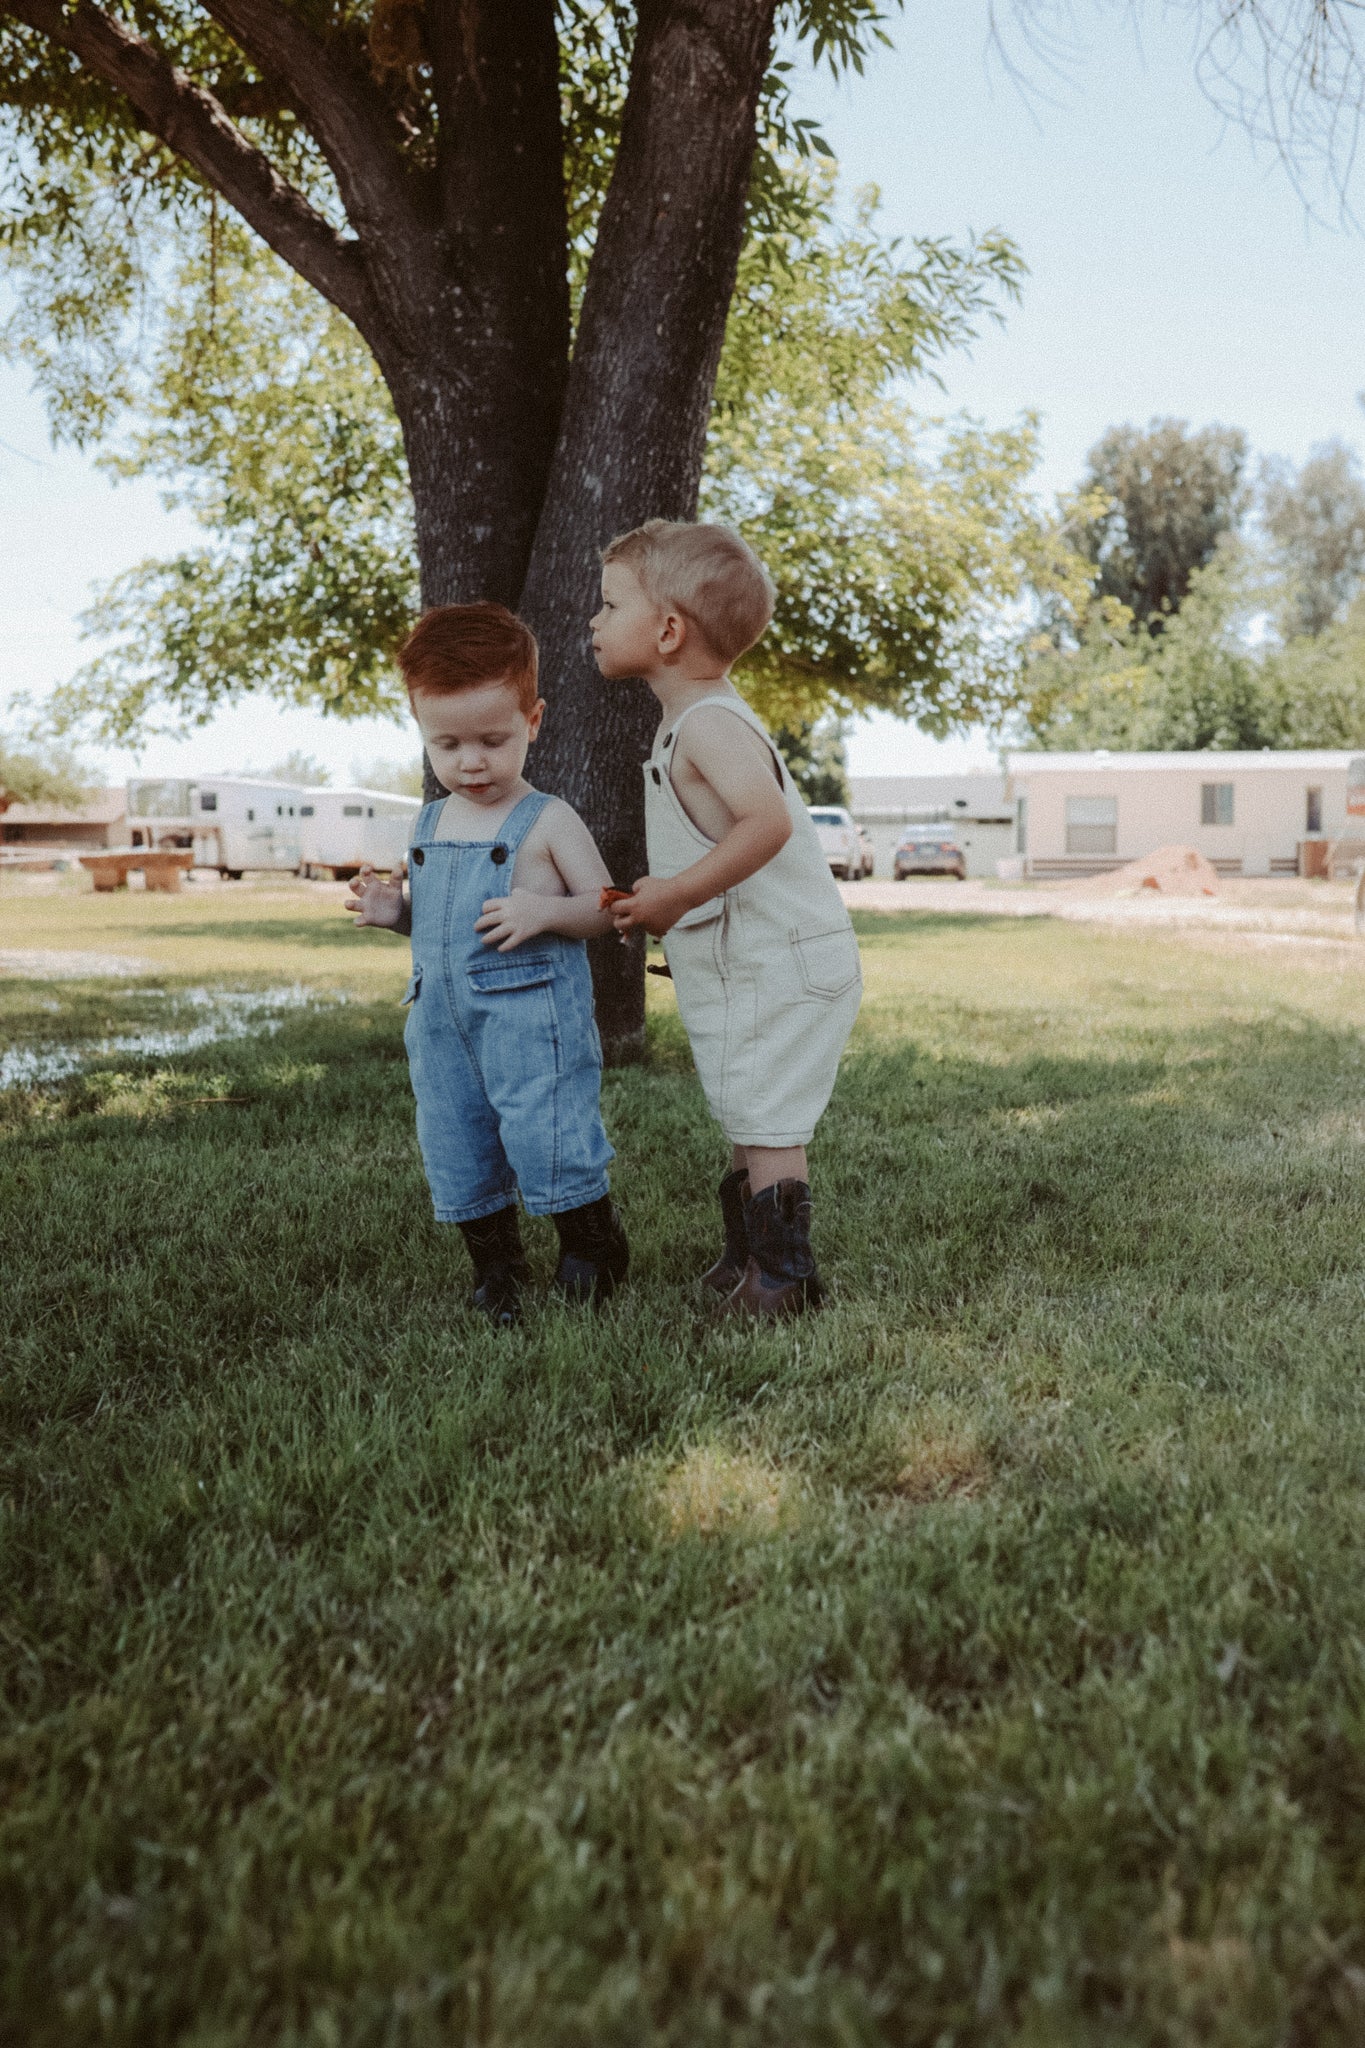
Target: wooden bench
x,y
161,868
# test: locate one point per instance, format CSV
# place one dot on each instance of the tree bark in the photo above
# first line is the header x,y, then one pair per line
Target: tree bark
x,y
635,413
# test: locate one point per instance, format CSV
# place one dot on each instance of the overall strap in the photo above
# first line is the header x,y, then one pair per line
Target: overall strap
x,y
425,823
519,821
737,709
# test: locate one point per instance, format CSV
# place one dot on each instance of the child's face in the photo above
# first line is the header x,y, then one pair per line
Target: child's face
x,y
628,629
476,740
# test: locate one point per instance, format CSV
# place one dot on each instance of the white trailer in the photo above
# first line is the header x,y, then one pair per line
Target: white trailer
x,y
229,822
342,828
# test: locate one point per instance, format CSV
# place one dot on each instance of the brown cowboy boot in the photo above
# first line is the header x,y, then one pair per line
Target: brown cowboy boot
x,y
780,1278
725,1276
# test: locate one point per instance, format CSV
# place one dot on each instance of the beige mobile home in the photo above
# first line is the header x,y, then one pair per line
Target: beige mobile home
x,y
1250,814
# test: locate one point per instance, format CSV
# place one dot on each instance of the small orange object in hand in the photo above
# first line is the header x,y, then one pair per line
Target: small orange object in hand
x,y
610,896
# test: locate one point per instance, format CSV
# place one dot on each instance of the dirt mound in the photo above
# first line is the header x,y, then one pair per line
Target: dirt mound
x,y
1171,870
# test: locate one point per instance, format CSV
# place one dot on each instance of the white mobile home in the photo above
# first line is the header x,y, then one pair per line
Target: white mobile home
x,y
229,822
342,828
1249,814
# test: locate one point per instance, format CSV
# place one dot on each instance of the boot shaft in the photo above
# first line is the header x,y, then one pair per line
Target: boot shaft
x,y
777,1223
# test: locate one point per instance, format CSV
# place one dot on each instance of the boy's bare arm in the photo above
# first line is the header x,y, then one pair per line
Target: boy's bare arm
x,y
735,766
508,921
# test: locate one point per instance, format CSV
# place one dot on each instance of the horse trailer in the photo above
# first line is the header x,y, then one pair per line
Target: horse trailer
x,y
229,822
343,828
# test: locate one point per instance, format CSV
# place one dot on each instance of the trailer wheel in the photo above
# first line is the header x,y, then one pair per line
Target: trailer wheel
x,y
232,874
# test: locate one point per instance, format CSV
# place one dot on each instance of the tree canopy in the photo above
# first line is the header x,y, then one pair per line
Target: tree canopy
x,y
31,774
1154,504
1315,521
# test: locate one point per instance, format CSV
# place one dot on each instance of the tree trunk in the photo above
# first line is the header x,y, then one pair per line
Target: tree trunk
x,y
635,414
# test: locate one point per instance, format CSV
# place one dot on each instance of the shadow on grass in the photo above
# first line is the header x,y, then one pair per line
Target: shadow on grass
x,y
277,931
885,924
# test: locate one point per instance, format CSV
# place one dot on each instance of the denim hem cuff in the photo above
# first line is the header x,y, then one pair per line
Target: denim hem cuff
x,y
559,1203
470,1212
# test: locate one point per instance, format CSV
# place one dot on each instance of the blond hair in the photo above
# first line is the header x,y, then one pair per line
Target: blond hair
x,y
705,572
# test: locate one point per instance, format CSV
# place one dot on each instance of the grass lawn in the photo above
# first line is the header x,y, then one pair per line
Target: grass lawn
x,y
982,1662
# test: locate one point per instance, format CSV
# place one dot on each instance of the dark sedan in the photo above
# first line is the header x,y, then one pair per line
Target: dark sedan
x,y
929,852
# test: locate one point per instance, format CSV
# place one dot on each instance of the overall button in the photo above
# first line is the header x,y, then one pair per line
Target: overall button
x,y
417,856
498,856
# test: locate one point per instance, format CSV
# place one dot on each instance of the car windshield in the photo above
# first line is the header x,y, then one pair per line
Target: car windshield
x,y
932,840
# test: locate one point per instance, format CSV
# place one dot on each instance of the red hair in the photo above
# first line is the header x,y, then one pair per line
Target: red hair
x,y
460,646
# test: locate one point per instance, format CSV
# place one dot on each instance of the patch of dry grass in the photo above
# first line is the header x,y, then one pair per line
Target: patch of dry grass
x,y
713,1491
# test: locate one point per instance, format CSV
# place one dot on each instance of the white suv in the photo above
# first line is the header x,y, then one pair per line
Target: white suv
x,y
839,841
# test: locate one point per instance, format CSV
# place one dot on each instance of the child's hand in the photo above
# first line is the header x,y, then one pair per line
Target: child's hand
x,y
509,920
378,902
651,906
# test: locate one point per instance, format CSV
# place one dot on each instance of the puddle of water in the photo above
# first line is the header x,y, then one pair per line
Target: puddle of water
x,y
46,965
224,1013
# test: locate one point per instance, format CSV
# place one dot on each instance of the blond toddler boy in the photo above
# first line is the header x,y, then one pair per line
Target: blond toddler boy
x,y
758,942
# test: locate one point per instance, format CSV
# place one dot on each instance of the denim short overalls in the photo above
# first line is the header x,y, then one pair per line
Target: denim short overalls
x,y
505,1058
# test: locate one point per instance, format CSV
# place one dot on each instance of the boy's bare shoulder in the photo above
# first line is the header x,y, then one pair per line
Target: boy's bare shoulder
x,y
556,816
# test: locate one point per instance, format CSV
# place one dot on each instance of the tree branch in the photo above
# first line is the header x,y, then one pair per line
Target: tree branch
x,y
191,122
342,110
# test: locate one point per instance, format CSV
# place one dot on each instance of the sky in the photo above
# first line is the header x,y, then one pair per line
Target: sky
x,y
1174,271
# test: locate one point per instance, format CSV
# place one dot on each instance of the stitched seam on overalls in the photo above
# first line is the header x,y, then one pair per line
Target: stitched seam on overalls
x,y
514,846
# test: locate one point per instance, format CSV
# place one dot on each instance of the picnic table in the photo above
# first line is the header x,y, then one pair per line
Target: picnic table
x,y
161,867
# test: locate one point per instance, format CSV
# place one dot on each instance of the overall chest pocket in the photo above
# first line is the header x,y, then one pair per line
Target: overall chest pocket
x,y
505,973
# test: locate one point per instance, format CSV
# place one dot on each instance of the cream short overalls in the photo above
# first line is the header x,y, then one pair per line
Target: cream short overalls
x,y
767,976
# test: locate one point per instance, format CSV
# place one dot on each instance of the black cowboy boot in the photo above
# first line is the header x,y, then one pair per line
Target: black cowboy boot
x,y
594,1257
500,1269
780,1278
728,1271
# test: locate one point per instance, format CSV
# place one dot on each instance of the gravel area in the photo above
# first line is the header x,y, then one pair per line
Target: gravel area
x,y
1290,910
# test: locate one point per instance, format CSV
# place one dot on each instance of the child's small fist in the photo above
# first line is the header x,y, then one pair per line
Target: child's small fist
x,y
651,906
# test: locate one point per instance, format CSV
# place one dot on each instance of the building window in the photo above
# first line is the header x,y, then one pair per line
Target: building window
x,y
1215,803
208,799
251,817
1092,824
1312,811
352,810
1021,826
305,810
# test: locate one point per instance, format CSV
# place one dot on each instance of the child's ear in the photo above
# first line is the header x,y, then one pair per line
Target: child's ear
x,y
672,633
533,718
